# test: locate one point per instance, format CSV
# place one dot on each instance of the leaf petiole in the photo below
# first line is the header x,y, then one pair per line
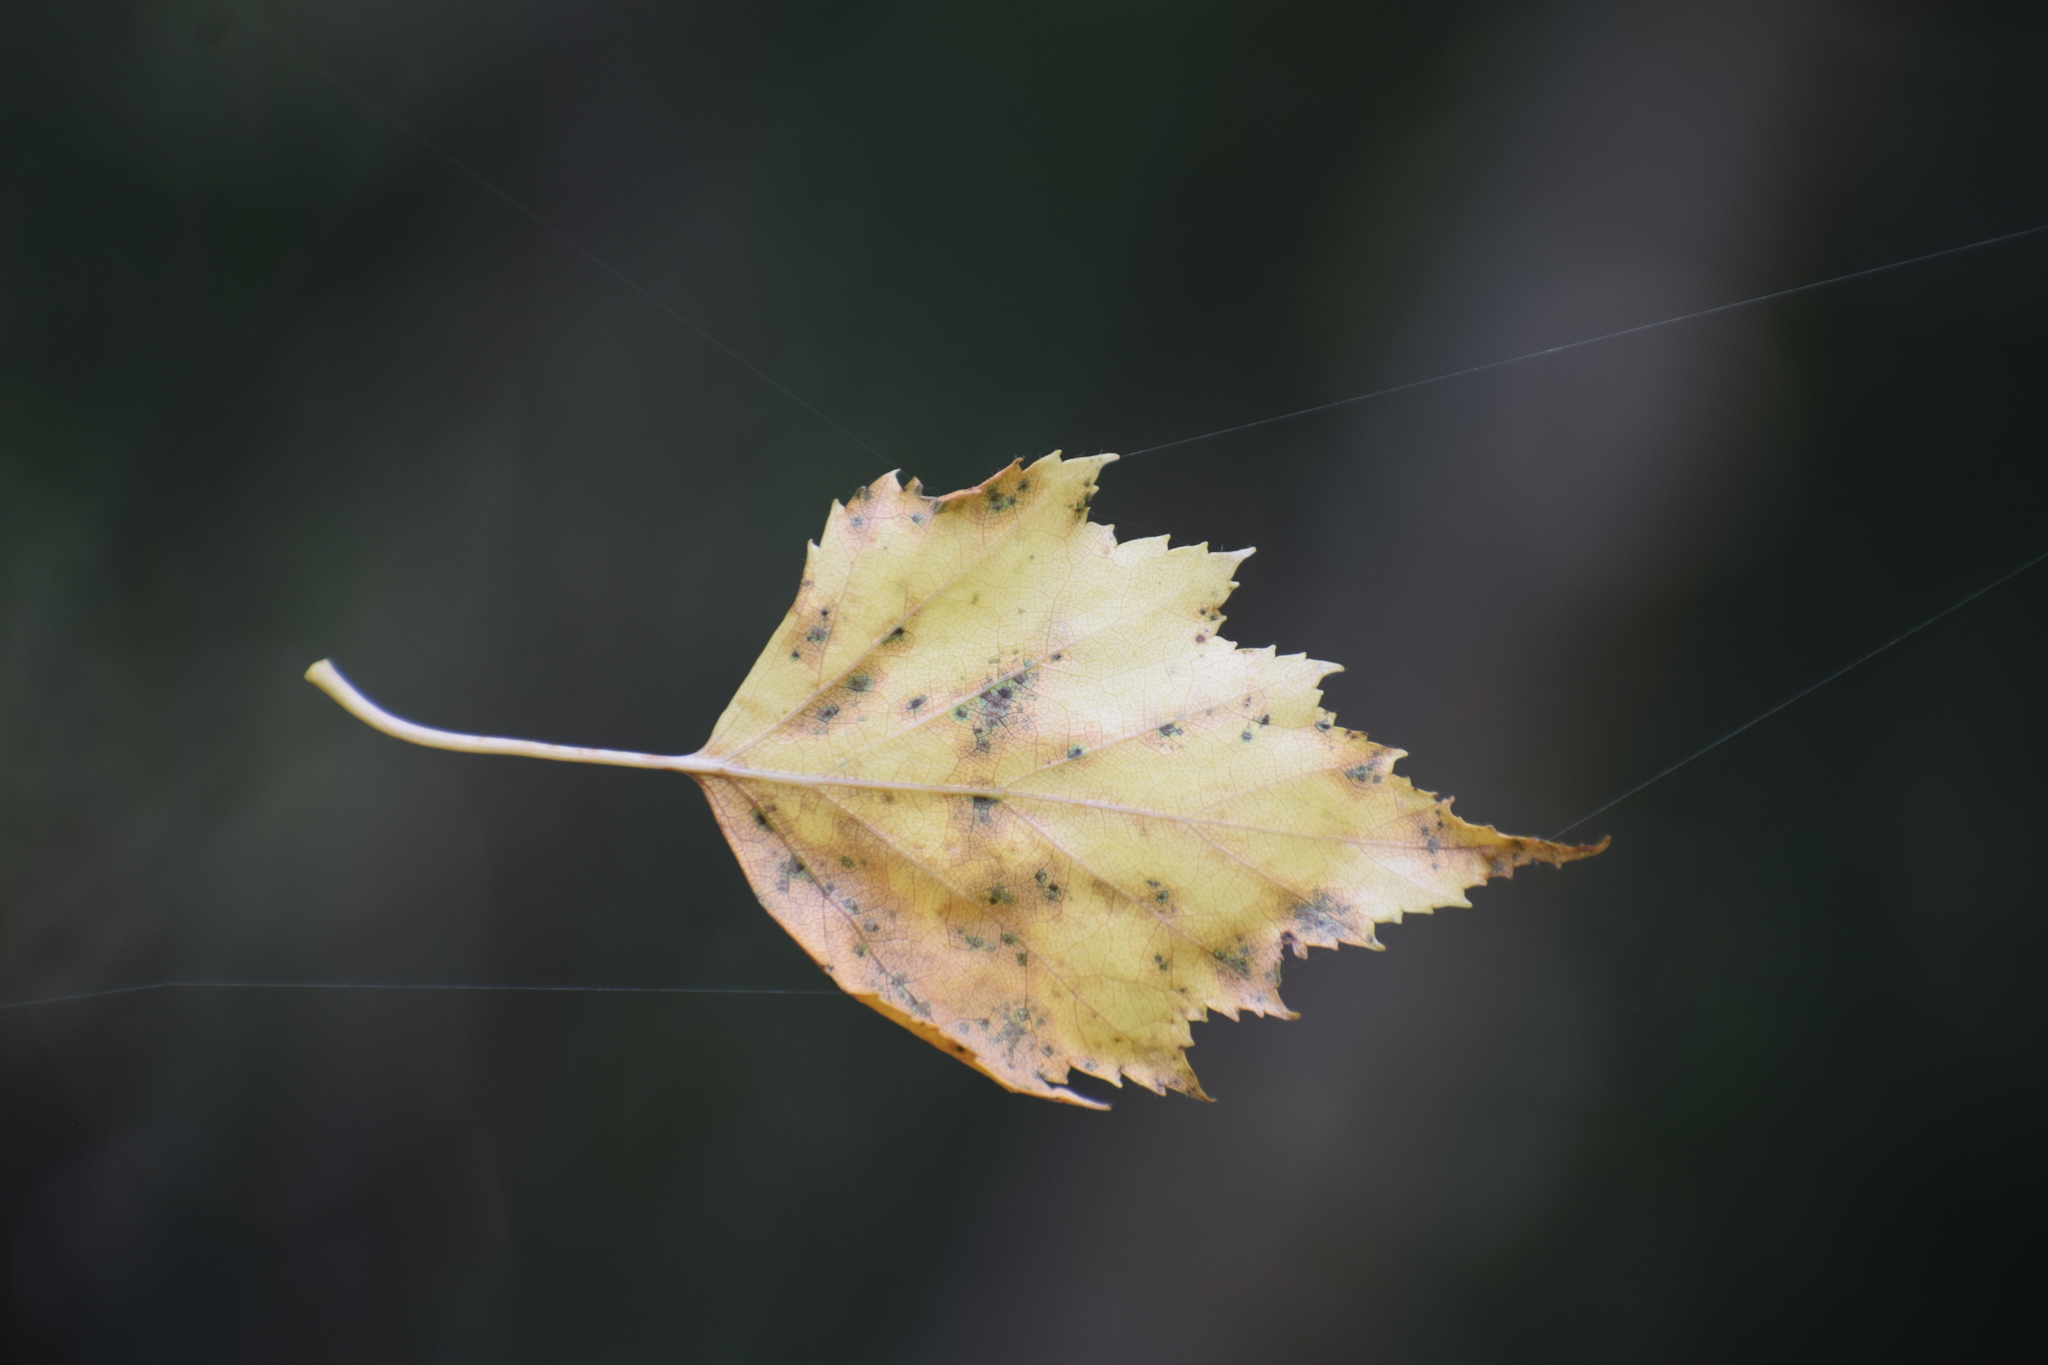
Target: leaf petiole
x,y
325,676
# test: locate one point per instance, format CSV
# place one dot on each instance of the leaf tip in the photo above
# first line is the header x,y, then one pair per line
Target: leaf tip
x,y
1571,853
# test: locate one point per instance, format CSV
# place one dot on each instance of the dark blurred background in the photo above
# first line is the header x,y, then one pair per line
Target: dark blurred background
x,y
1766,1081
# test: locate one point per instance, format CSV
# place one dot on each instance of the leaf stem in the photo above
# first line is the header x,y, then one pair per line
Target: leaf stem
x,y
325,676
328,679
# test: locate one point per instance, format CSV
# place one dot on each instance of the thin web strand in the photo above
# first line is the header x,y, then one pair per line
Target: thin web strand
x,y
505,197
1592,341
406,986
518,206
1803,693
392,119
1800,695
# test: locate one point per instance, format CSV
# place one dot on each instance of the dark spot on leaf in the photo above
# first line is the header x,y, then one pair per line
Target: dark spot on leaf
x,y
1056,657
794,654
984,807
1322,725
1022,958
1358,772
893,636
917,518
859,682
976,944
1010,939
959,713
761,820
1201,637
1170,730
1237,959
1246,736
817,635
857,522
828,712
845,861
1266,720
1074,752
1322,915
916,702
1159,961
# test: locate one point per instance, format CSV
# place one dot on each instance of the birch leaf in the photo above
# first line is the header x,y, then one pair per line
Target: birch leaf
x,y
1000,776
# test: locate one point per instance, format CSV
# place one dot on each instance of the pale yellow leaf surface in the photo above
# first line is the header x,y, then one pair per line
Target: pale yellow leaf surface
x,y
999,775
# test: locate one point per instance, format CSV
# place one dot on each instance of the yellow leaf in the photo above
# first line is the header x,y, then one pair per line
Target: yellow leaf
x,y
1000,776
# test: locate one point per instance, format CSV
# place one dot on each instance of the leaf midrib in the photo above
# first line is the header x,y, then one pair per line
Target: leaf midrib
x,y
714,768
